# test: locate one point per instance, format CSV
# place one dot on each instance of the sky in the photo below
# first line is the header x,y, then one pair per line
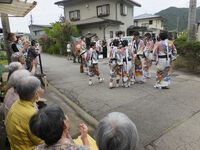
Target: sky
x,y
47,12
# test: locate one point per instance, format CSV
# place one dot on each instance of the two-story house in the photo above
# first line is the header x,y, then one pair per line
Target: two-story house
x,y
103,17
37,31
153,23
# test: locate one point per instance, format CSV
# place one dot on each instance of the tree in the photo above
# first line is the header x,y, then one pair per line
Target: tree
x,y
60,34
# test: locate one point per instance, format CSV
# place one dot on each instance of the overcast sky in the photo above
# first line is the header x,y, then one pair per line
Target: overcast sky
x,y
46,12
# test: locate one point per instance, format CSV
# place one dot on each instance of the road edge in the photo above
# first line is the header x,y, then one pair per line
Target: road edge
x,y
80,112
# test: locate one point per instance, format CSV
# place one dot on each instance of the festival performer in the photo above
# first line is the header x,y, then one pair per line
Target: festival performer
x,y
148,54
127,70
93,64
165,53
138,46
115,63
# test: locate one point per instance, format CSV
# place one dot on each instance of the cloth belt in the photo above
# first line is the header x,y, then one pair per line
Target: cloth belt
x,y
164,56
129,59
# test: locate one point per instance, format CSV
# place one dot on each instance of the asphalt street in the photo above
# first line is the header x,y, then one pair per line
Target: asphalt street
x,y
155,112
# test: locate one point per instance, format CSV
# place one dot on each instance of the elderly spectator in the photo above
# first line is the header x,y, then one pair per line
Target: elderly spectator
x,y
116,132
19,57
51,125
18,117
11,95
13,67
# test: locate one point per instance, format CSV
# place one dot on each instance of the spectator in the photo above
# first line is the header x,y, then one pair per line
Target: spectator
x,y
12,40
11,95
12,45
19,57
33,52
25,48
116,132
19,43
13,67
104,46
18,117
51,125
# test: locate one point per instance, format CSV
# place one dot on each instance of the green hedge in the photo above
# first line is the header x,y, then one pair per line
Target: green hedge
x,y
189,52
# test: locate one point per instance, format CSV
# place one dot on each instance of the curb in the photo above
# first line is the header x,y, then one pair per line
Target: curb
x,y
84,115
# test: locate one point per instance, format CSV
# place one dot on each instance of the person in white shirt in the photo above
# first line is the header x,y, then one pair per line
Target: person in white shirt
x,y
69,52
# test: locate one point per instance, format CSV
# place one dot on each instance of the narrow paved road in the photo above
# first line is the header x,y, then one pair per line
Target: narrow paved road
x,y
153,111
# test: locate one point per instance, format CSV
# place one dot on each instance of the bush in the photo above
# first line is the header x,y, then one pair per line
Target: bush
x,y
3,58
189,51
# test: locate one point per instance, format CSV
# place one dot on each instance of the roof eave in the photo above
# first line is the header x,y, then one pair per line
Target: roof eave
x,y
100,22
135,3
150,18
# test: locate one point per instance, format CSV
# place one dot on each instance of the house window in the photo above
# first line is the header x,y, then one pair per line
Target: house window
x,y
136,23
150,21
103,10
111,34
123,9
74,15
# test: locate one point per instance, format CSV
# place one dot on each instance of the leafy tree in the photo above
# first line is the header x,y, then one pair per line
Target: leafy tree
x,y
58,36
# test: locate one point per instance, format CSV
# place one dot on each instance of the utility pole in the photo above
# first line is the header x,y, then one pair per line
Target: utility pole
x,y
192,20
177,25
31,19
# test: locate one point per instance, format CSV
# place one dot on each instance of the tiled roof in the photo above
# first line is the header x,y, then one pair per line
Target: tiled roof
x,y
70,1
146,16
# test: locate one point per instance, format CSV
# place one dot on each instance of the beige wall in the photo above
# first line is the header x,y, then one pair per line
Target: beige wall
x,y
157,23
127,20
100,32
90,11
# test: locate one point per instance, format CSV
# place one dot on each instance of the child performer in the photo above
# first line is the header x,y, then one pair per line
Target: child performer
x,y
93,64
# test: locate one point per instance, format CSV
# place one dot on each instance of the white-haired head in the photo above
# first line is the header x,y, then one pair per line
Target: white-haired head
x,y
17,76
116,132
27,88
13,66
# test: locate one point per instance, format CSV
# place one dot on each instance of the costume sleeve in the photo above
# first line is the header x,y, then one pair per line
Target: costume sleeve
x,y
14,48
174,50
141,45
152,46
